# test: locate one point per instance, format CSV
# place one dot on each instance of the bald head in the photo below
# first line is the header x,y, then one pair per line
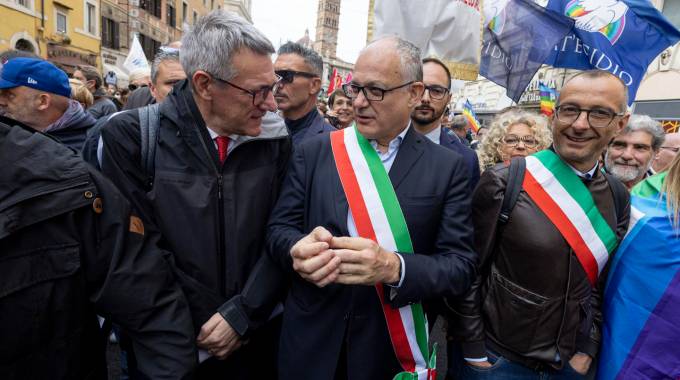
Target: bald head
x,y
408,54
669,149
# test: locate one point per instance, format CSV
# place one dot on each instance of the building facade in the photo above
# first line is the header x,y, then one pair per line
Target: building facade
x,y
242,8
327,26
67,32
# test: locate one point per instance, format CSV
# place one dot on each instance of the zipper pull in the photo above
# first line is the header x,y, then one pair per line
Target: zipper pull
x,y
219,186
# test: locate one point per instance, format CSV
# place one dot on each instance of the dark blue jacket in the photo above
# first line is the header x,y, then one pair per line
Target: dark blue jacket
x,y
469,156
307,127
432,190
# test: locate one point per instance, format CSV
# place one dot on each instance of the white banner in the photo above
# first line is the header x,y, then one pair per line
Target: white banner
x,y
136,60
450,30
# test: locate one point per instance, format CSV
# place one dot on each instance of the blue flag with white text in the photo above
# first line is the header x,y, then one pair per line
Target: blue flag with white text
x,y
518,39
620,36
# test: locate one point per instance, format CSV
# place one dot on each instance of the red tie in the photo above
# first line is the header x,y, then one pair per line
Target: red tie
x,y
222,146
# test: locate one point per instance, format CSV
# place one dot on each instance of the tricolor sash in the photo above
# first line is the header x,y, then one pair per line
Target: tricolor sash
x,y
567,202
378,216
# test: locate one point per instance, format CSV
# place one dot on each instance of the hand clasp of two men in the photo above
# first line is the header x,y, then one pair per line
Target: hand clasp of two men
x,y
322,258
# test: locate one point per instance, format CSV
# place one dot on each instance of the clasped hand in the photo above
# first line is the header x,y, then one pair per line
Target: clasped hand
x,y
321,259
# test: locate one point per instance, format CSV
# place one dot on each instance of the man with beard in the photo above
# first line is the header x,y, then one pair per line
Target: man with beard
x,y
427,116
667,152
629,155
300,70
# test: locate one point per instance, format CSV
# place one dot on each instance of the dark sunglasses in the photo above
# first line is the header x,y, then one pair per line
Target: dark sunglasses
x,y
133,87
288,76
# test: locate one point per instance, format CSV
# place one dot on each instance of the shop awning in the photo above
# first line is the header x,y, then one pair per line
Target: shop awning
x,y
658,109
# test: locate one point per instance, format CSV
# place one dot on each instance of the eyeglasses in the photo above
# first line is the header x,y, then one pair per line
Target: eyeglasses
x,y
352,90
437,92
259,95
133,87
597,117
288,76
514,140
672,149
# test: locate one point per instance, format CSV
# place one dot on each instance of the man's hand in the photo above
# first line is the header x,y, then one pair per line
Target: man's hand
x,y
314,260
218,337
580,362
364,262
484,364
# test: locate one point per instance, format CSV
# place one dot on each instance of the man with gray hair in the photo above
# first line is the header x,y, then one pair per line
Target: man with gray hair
x,y
165,72
300,70
214,175
629,155
331,228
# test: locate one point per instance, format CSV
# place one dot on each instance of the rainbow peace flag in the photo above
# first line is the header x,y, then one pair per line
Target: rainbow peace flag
x,y
469,114
641,308
547,101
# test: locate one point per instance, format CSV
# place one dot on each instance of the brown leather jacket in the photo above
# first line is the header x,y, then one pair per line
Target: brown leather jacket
x,y
531,302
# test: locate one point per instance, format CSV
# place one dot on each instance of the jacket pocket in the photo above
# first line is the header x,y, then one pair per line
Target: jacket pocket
x,y
38,290
512,313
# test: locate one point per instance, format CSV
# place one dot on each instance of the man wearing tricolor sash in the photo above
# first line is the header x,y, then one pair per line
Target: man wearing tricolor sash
x,y
534,312
374,222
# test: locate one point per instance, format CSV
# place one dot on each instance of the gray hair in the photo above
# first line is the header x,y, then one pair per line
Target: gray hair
x,y
644,123
212,42
409,55
162,56
312,58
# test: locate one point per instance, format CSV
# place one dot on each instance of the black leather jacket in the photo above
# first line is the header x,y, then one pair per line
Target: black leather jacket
x,y
532,301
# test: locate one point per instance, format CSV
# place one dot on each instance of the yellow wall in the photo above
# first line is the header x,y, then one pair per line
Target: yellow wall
x,y
29,22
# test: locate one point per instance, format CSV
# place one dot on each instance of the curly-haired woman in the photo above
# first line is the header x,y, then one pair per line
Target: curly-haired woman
x,y
513,133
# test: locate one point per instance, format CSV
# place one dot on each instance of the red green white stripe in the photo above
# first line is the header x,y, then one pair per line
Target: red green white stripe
x,y
566,201
378,216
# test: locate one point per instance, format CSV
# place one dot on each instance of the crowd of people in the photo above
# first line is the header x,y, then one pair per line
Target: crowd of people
x,y
230,225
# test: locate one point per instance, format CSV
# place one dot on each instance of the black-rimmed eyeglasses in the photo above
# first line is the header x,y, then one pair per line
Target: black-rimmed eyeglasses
x,y
288,76
352,90
597,117
259,96
437,92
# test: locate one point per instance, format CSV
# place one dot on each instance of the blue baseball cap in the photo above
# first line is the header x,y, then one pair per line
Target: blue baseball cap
x,y
34,73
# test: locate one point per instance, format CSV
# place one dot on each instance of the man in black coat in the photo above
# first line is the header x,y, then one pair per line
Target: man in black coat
x,y
37,94
215,176
71,248
333,321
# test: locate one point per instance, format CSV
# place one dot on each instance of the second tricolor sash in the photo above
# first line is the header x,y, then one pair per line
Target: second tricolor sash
x,y
567,202
378,216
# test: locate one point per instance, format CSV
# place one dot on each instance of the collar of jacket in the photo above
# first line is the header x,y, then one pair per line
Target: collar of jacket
x,y
41,179
180,108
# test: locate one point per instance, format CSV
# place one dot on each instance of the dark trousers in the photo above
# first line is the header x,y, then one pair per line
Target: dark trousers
x,y
502,369
254,360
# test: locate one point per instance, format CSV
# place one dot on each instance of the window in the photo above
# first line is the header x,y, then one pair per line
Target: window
x,y
61,21
184,12
171,16
195,17
149,45
152,7
212,4
110,34
24,3
91,18
671,9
